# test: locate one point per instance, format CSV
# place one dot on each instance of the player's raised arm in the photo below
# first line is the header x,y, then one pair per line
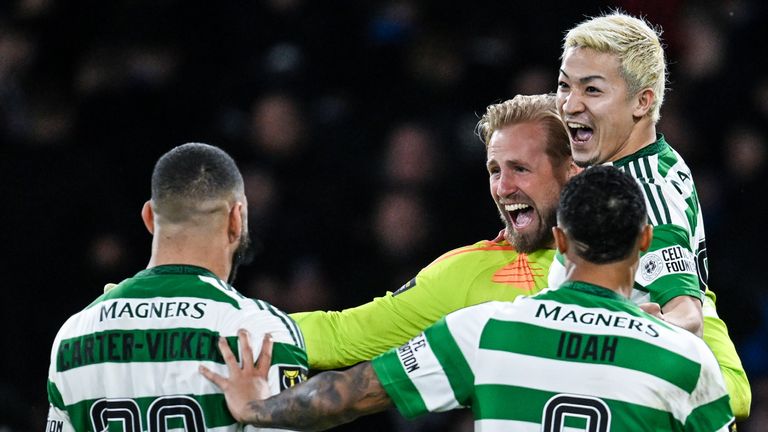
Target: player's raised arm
x,y
336,339
327,400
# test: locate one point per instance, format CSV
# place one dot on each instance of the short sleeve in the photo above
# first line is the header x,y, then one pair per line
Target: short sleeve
x,y
433,371
668,269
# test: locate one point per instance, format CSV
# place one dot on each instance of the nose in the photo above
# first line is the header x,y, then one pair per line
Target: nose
x,y
505,185
571,104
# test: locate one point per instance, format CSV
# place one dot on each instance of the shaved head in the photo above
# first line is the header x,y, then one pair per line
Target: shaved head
x,y
194,180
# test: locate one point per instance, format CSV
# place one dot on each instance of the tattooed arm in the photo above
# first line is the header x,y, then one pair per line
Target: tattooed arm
x,y
326,400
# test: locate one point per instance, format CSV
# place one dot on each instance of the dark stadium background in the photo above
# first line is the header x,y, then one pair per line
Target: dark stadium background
x,y
352,122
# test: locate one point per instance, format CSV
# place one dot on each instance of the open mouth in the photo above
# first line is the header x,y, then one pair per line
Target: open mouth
x,y
521,215
579,133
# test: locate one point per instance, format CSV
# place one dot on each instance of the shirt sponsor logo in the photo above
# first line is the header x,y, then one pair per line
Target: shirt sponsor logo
x,y
155,309
407,353
290,376
564,314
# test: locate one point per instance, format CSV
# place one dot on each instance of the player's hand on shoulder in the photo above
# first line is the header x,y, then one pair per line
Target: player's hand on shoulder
x,y
246,383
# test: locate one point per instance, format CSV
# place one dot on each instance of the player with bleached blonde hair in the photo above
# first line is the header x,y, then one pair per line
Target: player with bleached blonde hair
x,y
610,91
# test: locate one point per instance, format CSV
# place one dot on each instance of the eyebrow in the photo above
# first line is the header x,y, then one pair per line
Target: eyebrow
x,y
515,161
585,79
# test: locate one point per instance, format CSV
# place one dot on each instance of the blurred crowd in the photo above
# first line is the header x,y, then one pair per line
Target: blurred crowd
x,y
353,125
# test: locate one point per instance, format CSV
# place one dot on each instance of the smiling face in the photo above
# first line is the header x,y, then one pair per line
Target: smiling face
x,y
593,101
524,184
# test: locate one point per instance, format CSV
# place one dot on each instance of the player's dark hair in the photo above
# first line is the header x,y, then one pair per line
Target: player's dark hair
x,y
192,173
603,211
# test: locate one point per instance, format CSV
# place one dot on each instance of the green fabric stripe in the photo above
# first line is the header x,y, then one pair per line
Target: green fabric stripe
x,y
667,159
635,169
711,416
659,146
502,402
166,286
648,171
283,353
303,343
54,395
575,422
452,360
670,235
260,304
692,209
652,201
398,386
214,409
663,200
644,174
651,179
577,347
176,344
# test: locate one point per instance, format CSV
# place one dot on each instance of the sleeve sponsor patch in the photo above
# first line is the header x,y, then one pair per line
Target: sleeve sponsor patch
x,y
666,261
291,376
54,426
58,421
408,353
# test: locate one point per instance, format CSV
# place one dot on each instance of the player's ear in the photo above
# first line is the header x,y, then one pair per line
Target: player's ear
x,y
235,226
573,169
148,216
561,241
643,102
646,237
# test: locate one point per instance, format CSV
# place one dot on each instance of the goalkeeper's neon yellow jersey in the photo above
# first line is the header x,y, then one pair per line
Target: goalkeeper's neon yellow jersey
x,y
462,277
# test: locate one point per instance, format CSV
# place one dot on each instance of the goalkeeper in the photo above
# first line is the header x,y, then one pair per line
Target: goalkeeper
x,y
528,163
